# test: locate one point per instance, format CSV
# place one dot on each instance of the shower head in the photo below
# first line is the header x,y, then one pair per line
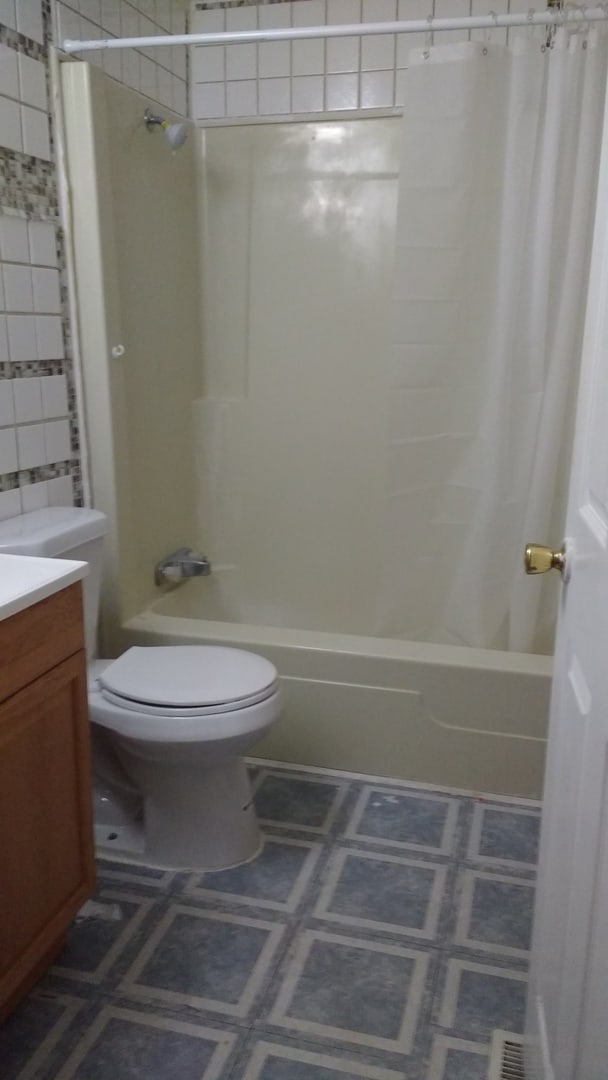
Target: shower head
x,y
176,133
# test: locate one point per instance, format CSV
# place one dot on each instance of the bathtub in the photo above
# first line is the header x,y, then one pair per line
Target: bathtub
x,y
437,714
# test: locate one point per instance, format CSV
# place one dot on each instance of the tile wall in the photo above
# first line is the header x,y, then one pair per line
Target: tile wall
x,y
159,73
39,431
338,76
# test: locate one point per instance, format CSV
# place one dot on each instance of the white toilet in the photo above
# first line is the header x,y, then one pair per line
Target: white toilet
x,y
169,724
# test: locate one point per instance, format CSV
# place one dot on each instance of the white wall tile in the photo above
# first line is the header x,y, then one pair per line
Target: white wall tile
x,y
129,21
400,87
54,396
130,69
91,9
147,76
34,496
9,72
111,17
31,451
274,97
66,23
29,19
180,97
46,296
43,243
162,14
378,52
10,125
452,9
343,12
209,22
36,139
243,18
377,89
21,338
49,337
241,61
112,64
18,294
273,59
178,64
412,9
7,403
165,87
380,10
307,93
13,239
241,98
342,91
8,450
32,82
178,19
8,16
10,504
343,54
60,491
210,63
2,303
28,400
57,441
274,16
308,57
308,12
30,446
209,101
4,356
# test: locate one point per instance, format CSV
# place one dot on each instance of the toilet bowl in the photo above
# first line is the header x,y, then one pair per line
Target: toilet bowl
x,y
178,719
169,725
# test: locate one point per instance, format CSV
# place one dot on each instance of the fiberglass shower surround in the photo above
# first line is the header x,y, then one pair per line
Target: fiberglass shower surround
x,y
495,438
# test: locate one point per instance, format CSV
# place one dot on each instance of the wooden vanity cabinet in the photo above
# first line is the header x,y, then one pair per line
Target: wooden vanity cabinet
x,y
46,831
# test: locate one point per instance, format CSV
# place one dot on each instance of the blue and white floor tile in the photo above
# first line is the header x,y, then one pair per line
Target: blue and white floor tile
x,y
382,934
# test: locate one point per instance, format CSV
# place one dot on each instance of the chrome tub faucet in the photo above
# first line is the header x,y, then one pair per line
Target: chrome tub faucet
x,y
181,564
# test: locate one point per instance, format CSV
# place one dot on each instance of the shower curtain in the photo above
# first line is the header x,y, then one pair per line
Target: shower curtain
x,y
496,197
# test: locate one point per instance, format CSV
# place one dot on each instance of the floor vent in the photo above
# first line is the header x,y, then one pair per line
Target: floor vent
x,y
506,1056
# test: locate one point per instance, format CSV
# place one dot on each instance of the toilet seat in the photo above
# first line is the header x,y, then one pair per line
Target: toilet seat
x,y
185,682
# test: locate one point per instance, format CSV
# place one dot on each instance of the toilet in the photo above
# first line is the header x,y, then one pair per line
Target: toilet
x,y
169,724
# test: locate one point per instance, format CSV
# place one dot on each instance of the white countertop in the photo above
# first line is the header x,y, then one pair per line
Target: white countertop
x,y
26,579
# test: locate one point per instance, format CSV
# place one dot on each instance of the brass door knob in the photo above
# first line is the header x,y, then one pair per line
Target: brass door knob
x,y
538,559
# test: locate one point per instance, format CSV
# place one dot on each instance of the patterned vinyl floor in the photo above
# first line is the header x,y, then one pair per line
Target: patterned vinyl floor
x,y
382,934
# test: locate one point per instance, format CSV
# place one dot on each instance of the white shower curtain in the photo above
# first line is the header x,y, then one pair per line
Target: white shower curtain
x,y
496,198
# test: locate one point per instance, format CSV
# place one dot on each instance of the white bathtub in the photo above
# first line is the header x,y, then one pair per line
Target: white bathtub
x,y
445,715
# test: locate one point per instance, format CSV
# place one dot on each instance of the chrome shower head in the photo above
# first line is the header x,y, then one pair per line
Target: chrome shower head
x,y
176,133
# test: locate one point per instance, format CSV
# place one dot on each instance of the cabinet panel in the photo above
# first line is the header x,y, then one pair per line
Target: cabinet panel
x,y
46,847
34,640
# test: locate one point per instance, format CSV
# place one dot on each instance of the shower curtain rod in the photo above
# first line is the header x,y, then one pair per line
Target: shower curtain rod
x,y
567,17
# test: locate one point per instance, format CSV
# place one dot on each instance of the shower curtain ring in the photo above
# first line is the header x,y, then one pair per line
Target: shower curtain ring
x,y
426,52
487,36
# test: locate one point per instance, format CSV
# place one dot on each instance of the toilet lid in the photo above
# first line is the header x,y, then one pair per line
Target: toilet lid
x,y
189,677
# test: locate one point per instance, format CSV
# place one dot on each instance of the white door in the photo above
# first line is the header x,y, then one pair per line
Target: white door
x,y
568,997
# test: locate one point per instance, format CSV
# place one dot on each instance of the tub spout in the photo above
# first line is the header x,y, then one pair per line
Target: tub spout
x,y
181,564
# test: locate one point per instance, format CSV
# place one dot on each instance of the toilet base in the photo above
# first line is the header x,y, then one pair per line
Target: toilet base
x,y
198,818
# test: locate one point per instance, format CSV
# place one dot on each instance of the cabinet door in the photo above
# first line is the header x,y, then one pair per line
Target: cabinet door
x,y
46,845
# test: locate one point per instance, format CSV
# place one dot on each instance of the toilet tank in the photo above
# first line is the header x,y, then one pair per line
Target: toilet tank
x,y
62,532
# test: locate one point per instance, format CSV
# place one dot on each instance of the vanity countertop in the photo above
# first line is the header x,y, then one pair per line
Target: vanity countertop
x,y
27,579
